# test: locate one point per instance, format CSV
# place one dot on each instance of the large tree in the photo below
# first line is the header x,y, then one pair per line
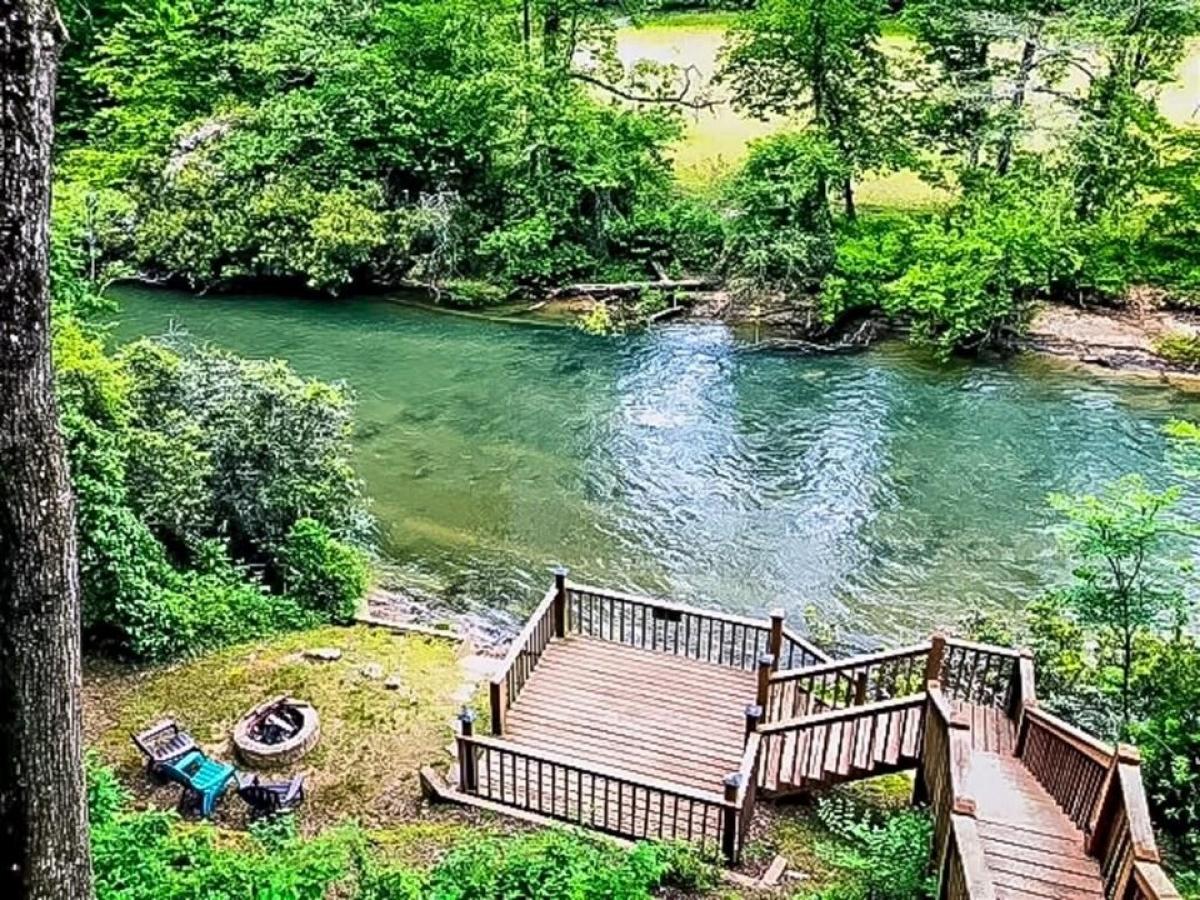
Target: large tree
x,y
43,812
819,59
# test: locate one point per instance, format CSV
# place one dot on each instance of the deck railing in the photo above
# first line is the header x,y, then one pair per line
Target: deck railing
x,y
689,631
806,749
978,673
524,654
957,850
602,798
1100,788
869,678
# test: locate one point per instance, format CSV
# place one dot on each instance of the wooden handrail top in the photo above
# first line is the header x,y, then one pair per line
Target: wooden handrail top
x,y
1090,746
840,715
1137,813
970,851
746,769
646,781
518,645
654,602
1153,882
938,698
993,649
851,662
809,646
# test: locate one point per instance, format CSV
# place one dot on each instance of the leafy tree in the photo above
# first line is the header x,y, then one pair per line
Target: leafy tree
x,y
1122,590
820,59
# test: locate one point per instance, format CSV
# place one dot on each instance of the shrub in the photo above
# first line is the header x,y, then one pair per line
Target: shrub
x,y
1179,347
321,573
781,228
884,858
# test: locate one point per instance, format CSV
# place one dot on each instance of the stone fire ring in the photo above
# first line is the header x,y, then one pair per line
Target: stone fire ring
x,y
259,755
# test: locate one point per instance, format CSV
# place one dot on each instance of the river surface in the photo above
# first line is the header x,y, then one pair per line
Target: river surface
x,y
886,490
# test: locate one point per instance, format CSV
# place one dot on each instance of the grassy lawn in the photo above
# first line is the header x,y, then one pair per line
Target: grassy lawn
x,y
373,740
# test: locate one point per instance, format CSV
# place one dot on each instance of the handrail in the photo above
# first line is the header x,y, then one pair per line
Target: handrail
x,y
806,647
522,658
841,715
1152,882
1083,742
648,781
854,681
993,649
615,801
672,605
850,662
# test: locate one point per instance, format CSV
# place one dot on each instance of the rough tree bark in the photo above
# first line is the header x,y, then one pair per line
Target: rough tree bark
x,y
43,813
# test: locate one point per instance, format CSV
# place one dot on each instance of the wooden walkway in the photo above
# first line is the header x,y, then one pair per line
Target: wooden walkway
x,y
647,719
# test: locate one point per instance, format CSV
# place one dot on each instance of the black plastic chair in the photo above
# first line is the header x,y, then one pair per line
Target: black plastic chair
x,y
271,798
163,743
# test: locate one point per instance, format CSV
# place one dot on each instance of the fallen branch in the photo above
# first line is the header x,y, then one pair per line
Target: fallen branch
x,y
626,288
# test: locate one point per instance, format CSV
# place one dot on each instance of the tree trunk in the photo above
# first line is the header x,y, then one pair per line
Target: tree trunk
x,y
848,198
43,811
1017,102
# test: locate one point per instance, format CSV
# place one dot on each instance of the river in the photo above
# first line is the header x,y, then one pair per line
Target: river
x,y
885,490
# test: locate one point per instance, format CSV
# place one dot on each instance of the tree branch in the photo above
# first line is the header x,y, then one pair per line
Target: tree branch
x,y
679,99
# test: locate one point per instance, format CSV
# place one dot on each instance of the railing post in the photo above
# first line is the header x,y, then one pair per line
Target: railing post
x,y
1022,691
560,601
766,665
468,777
937,653
775,648
860,689
729,832
497,696
753,717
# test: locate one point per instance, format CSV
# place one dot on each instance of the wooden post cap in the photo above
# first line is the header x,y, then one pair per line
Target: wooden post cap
x,y
766,660
733,784
1127,753
560,571
753,711
778,613
467,719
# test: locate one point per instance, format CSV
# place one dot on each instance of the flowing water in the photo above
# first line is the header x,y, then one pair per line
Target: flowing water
x,y
886,489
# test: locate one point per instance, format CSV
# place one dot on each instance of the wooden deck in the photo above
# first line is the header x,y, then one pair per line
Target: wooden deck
x,y
647,719
644,711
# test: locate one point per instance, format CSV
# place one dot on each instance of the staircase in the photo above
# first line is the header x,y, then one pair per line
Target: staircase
x,y
1024,805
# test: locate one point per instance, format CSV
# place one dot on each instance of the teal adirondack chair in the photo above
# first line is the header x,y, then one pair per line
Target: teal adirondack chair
x,y
204,780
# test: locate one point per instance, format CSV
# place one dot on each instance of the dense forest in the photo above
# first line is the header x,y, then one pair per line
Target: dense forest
x,y
485,150
499,146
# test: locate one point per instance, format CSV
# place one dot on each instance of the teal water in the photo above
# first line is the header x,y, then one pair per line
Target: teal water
x,y
883,489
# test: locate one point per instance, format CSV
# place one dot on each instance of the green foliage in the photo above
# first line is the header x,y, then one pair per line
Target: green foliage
x,y
187,467
322,573
598,321
780,233
549,864
819,59
883,858
337,143
1179,347
1122,591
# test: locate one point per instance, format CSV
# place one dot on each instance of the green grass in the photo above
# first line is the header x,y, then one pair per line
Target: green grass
x,y
373,740
716,20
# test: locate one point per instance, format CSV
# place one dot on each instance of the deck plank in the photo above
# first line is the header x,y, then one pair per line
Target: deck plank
x,y
644,711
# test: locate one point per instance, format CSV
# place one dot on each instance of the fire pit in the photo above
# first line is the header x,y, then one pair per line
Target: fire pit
x,y
277,733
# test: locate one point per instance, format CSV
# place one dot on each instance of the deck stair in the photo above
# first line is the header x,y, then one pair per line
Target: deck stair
x,y
647,719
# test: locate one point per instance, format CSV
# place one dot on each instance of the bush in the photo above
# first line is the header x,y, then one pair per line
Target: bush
x,y
321,573
781,229
168,512
884,859
1179,347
